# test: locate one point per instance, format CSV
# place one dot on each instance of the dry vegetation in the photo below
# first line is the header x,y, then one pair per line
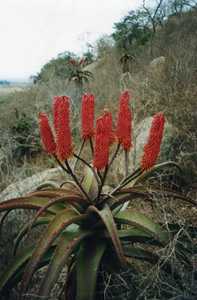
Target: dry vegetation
x,y
170,88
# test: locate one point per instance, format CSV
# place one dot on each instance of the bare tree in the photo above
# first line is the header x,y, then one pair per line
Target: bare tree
x,y
154,15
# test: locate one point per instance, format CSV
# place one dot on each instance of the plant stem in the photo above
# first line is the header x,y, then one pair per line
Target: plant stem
x,y
126,161
103,181
99,175
92,150
132,178
126,180
89,166
132,174
78,154
103,178
60,164
114,156
91,146
76,180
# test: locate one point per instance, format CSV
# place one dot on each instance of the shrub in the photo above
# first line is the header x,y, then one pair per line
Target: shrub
x,y
25,139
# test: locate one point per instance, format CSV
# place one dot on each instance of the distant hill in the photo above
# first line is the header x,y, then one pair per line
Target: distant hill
x,y
4,82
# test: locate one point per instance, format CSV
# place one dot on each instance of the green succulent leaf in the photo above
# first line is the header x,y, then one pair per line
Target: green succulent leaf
x,y
133,235
13,273
127,195
73,201
157,167
136,235
89,183
41,221
107,218
143,192
62,220
48,185
139,253
140,221
54,193
88,262
65,247
26,203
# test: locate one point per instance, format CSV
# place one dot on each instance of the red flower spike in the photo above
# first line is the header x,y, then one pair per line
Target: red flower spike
x,y
124,122
56,101
87,116
63,137
102,141
152,147
46,134
109,126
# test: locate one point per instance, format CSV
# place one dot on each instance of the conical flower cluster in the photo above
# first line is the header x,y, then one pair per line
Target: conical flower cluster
x,y
56,102
152,147
124,122
63,133
103,139
46,134
61,146
87,116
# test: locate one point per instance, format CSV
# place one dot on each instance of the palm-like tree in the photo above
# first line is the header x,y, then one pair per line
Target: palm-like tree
x,y
78,75
125,62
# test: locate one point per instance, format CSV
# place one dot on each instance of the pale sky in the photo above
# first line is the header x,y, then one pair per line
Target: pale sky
x,y
34,31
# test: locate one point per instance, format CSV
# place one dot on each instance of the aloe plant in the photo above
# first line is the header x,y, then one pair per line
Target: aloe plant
x,y
82,223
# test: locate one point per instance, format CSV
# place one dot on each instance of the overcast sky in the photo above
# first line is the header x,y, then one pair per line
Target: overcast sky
x,y
34,31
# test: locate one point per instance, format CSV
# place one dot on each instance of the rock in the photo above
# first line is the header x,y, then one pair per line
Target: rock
x,y
156,69
158,63
30,184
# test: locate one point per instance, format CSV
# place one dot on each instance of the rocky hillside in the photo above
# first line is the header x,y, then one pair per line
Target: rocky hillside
x,y
161,74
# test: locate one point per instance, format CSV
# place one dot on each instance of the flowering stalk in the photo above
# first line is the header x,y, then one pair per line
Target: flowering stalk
x,y
87,122
46,134
109,124
126,159
78,154
91,146
123,130
87,116
101,149
71,173
127,180
63,137
103,139
124,126
57,100
152,147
